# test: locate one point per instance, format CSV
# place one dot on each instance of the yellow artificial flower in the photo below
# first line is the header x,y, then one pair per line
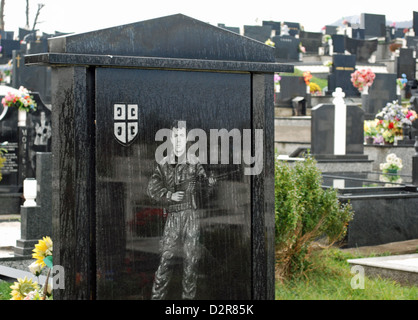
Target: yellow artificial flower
x,y
42,250
22,287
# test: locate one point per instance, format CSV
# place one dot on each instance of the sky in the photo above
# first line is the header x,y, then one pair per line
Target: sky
x,y
88,15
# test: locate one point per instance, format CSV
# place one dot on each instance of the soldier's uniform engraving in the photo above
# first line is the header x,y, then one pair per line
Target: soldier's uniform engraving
x,y
173,184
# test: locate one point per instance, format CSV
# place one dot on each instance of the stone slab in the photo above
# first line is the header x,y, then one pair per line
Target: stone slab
x,y
401,268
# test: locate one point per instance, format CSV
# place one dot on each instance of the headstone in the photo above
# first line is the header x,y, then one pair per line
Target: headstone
x,y
382,91
6,35
233,29
415,22
9,133
312,41
276,26
291,87
338,43
293,27
7,47
286,48
357,33
342,68
337,130
398,33
374,25
412,42
331,30
259,33
113,105
362,49
36,79
406,63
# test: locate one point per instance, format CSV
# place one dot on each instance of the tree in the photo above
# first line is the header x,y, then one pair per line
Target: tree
x,y
40,6
27,14
2,14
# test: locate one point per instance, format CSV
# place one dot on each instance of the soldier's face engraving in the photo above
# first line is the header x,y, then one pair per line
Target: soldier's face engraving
x,y
179,140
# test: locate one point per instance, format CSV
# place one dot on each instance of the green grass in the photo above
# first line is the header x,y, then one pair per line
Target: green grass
x,y
330,279
5,290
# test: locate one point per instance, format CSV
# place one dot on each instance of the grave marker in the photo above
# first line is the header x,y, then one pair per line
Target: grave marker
x,y
104,207
374,25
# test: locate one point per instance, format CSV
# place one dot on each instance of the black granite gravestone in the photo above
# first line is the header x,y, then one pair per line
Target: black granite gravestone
x,y
357,33
311,41
338,43
342,68
381,92
259,33
324,135
330,30
115,94
232,29
294,27
290,88
275,25
35,79
362,49
406,63
374,25
412,42
7,47
415,21
286,48
9,133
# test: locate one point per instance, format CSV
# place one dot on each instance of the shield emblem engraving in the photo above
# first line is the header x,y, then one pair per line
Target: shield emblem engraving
x,y
125,123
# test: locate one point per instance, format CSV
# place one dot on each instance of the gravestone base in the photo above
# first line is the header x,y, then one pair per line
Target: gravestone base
x,y
10,203
24,248
34,226
343,163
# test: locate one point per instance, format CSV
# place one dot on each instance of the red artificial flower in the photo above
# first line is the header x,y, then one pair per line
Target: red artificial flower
x,y
391,125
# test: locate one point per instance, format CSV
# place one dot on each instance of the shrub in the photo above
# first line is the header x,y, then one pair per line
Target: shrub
x,y
2,160
304,212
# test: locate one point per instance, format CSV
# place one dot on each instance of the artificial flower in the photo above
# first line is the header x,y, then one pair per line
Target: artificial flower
x,y
22,288
42,250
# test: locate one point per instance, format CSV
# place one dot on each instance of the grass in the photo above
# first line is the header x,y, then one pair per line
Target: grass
x,y
329,278
5,290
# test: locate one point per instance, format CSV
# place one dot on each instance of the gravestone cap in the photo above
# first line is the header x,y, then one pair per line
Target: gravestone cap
x,y
175,41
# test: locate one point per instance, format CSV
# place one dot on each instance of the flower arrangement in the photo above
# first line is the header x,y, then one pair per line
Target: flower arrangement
x,y
301,48
307,77
277,79
27,289
401,82
314,88
22,100
362,79
391,121
270,43
392,165
370,128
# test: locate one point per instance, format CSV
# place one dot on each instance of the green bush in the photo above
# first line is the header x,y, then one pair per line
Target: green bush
x,y
304,212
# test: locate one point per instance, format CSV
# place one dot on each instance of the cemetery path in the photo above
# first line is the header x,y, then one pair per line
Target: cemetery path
x,y
394,248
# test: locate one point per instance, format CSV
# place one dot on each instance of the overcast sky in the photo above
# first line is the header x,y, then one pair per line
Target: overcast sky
x,y
88,15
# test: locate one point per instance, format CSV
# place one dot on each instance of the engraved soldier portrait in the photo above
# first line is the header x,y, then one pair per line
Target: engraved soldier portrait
x,y
173,185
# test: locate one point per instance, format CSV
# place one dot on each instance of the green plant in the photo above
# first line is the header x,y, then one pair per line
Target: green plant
x,y
304,212
2,160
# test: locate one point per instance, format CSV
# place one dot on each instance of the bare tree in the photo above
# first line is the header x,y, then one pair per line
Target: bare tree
x,y
40,6
27,14
2,14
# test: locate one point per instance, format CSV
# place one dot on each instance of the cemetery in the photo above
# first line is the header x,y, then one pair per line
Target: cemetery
x,y
241,116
